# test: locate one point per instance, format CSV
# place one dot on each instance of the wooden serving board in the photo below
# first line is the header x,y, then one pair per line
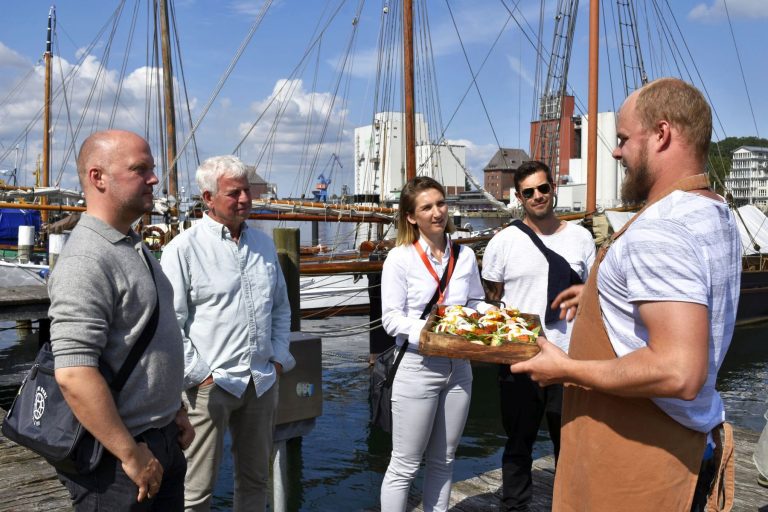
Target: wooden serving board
x,y
452,345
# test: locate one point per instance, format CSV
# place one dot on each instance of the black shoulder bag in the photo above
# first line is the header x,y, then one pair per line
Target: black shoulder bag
x,y
561,275
386,364
40,418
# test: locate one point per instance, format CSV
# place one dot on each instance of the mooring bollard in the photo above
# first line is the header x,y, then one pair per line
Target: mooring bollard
x,y
26,243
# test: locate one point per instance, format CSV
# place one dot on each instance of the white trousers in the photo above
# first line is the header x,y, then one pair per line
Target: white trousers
x,y
430,402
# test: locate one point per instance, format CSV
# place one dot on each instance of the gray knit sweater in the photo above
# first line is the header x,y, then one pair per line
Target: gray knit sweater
x,y
102,296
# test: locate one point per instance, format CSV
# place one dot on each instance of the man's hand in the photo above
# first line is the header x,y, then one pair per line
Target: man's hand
x,y
186,431
568,301
547,367
278,368
145,471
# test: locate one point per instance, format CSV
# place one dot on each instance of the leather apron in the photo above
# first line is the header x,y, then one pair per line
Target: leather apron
x,y
619,453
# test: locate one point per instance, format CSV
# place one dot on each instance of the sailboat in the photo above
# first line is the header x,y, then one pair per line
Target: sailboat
x,y
352,263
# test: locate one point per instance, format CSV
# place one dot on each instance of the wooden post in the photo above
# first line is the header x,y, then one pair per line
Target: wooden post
x,y
287,244
594,51
170,118
410,105
48,59
315,233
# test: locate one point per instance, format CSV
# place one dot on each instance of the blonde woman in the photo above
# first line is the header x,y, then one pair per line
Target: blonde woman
x,y
430,395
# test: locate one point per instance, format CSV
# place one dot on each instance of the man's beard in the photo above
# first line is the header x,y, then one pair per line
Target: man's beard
x,y
637,182
530,212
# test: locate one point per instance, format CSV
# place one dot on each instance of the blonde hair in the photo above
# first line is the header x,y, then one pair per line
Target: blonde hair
x,y
407,233
682,105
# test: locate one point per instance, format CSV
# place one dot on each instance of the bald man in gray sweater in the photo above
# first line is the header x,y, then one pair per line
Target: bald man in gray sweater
x,y
102,297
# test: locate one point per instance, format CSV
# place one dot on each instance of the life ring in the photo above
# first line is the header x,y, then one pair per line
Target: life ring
x,y
153,237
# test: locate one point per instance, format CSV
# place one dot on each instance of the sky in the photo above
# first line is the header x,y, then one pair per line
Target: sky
x,y
296,67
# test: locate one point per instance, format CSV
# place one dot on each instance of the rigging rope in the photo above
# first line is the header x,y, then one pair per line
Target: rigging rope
x,y
741,68
257,22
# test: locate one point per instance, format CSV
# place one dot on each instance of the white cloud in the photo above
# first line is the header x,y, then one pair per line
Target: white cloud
x,y
250,7
295,138
519,69
11,58
715,10
22,113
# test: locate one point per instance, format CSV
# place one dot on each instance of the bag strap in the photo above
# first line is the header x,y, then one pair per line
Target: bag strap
x,y
443,281
546,251
141,344
556,280
427,309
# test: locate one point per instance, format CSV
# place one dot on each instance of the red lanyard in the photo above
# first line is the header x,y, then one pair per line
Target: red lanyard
x,y
431,269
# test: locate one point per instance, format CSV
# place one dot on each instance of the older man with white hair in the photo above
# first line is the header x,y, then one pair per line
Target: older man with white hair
x,y
232,308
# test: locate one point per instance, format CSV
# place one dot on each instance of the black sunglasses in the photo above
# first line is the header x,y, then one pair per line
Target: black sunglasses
x,y
544,188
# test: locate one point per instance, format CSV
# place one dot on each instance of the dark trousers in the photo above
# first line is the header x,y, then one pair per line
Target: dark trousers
x,y
523,405
109,489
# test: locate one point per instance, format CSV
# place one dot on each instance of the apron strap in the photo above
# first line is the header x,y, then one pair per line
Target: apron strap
x,y
721,494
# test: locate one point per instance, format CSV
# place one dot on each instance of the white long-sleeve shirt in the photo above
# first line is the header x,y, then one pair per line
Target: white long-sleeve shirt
x,y
407,286
231,306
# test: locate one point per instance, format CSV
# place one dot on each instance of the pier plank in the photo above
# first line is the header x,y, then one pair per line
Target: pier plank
x,y
27,482
24,303
482,493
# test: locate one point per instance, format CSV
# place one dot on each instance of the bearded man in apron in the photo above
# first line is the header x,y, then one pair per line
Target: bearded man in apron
x,y
642,421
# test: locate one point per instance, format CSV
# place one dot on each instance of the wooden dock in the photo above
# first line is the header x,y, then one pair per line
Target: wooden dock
x,y
24,303
482,493
28,483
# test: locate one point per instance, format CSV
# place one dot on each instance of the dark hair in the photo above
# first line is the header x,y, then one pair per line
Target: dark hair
x,y
531,167
407,233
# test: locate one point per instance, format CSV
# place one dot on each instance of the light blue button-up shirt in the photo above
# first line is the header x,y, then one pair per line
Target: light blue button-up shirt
x,y
231,305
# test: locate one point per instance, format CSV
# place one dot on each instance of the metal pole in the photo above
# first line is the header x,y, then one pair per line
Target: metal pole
x,y
279,477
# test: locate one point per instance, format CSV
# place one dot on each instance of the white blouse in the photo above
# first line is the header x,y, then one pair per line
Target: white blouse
x,y
407,286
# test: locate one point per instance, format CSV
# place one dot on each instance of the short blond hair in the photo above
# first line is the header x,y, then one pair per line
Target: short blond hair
x,y
682,105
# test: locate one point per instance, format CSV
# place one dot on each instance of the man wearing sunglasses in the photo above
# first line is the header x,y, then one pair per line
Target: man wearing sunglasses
x,y
526,265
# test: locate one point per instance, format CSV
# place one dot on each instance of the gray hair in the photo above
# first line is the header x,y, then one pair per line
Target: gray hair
x,y
209,172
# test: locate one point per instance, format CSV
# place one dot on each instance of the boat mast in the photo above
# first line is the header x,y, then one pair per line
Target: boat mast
x,y
594,33
47,58
410,125
170,115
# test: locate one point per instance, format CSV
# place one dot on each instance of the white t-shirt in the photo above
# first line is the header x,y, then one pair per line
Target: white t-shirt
x,y
685,248
407,286
513,259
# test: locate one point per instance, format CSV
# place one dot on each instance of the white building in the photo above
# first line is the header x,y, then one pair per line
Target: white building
x,y
748,180
610,173
380,157
445,163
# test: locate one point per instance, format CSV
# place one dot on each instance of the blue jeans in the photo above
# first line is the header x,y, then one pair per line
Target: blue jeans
x,y
109,489
430,403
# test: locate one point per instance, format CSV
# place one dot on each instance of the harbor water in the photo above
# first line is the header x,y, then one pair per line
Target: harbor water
x,y
340,464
